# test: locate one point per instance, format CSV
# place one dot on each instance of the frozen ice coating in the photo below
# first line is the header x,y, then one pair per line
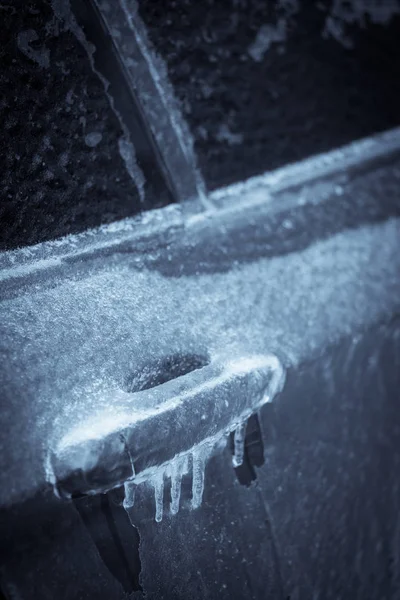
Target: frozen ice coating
x,y
170,426
27,43
269,34
78,315
127,151
157,99
107,319
149,404
156,430
262,188
238,441
67,20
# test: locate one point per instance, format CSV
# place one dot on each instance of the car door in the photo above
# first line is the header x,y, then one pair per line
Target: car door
x,y
199,337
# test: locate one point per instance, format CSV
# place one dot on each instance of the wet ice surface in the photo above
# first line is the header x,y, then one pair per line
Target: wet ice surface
x,y
64,349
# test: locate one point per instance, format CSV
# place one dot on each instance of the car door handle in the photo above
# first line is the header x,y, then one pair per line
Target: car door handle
x,y
164,429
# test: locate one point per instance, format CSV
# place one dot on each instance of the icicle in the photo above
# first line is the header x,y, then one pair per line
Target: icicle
x,y
158,484
199,456
185,464
239,437
130,489
177,468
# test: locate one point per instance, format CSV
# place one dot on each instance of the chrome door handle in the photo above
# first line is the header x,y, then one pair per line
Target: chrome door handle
x,y
155,431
